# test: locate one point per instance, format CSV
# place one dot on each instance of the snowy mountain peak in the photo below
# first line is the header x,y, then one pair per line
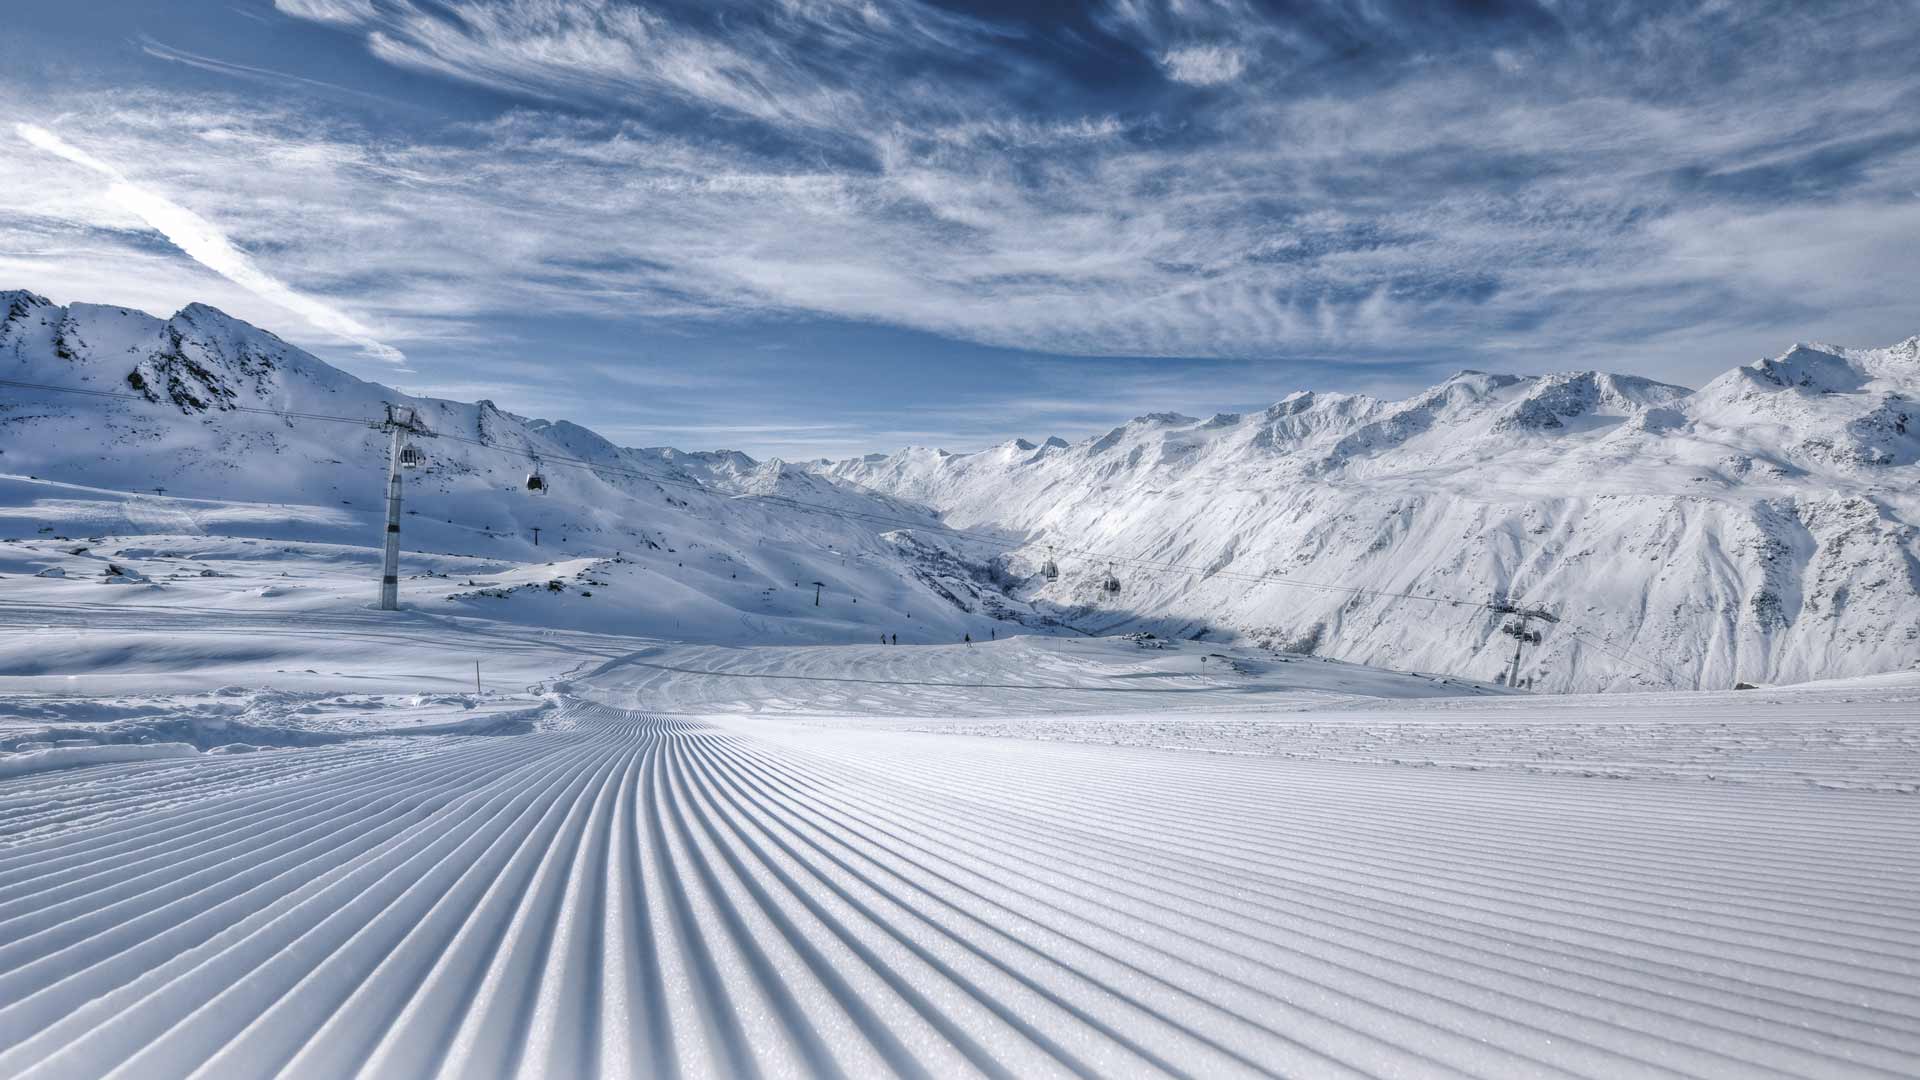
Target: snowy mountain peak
x,y
1814,370
1468,386
211,317
1551,403
1764,528
1297,402
712,558
23,318
1819,368
18,302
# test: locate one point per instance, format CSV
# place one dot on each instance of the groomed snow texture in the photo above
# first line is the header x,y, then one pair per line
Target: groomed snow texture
x,y
629,894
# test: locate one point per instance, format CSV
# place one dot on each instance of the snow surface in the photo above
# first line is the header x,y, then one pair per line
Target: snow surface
x,y
247,642
1763,529
1025,676
695,533
1760,530
624,893
249,832
690,823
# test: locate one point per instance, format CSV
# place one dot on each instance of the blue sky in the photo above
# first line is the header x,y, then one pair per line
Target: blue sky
x,y
824,227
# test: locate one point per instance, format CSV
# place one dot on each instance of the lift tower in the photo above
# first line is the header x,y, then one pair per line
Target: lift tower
x,y
401,421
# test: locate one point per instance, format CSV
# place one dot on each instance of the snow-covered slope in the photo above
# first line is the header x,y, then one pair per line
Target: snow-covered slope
x,y
711,556
621,893
1762,529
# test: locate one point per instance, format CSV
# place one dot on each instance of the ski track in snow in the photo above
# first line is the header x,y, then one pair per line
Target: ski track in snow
x,y
1870,745
631,894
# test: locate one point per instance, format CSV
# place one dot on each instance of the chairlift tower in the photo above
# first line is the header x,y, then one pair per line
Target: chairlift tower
x,y
400,422
1521,630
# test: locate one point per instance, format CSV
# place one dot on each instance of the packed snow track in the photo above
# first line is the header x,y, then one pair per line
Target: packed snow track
x,y
623,894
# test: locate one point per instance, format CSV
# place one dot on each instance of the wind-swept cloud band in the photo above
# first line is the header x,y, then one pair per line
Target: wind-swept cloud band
x,y
1375,191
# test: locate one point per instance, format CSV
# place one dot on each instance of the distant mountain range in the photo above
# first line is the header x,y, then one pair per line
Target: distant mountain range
x,y
1759,529
1762,528
730,554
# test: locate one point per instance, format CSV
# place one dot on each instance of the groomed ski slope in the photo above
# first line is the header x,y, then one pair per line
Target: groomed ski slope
x,y
626,894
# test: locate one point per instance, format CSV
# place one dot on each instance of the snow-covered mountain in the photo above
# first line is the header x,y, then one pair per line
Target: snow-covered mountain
x,y
1760,529
723,560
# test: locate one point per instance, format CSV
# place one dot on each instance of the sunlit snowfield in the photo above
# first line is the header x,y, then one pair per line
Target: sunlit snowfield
x,y
1023,857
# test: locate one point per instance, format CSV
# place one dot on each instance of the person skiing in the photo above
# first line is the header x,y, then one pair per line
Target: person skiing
x,y
896,639
968,638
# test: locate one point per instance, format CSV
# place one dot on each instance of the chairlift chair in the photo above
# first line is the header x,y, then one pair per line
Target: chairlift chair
x,y
536,481
1112,584
1519,630
1051,569
411,457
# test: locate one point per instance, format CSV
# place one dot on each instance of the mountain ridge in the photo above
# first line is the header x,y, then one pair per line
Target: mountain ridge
x,y
209,409
1761,528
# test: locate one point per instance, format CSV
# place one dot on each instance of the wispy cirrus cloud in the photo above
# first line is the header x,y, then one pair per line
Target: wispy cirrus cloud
x,y
160,51
1395,202
341,12
1381,190
1204,65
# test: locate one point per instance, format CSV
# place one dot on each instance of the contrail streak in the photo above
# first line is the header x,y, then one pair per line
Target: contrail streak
x,y
204,242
